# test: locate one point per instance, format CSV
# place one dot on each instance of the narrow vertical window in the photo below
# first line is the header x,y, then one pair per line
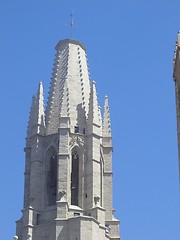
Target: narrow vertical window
x,y
52,178
75,178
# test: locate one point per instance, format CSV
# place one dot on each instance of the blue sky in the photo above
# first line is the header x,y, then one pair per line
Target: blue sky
x,y
130,47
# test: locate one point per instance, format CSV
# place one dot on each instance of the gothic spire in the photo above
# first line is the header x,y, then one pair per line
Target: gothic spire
x,y
37,116
106,120
31,117
70,87
94,115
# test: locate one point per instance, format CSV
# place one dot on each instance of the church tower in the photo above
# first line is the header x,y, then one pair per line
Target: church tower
x,y
176,76
68,169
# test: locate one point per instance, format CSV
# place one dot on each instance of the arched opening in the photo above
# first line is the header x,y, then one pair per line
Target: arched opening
x,y
51,176
75,178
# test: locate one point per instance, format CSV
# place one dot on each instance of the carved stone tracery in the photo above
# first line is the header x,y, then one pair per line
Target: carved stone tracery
x,y
76,141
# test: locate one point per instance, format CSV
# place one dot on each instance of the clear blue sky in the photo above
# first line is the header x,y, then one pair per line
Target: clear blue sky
x,y
130,47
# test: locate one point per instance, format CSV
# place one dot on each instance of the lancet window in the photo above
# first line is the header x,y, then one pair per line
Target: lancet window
x,y
51,176
75,178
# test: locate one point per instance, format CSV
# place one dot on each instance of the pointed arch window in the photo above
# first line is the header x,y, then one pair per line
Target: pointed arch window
x,y
75,178
51,177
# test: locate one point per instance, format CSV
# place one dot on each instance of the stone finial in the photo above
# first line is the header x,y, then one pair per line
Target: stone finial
x,y
93,82
15,237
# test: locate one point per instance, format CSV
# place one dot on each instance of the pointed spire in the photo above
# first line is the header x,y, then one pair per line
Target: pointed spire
x,y
106,122
37,116
39,111
31,116
40,116
70,87
94,116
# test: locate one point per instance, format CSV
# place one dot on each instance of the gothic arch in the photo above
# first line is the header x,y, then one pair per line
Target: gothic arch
x,y
51,176
77,165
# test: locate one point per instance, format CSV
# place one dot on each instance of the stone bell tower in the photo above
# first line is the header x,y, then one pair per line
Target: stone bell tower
x,y
68,170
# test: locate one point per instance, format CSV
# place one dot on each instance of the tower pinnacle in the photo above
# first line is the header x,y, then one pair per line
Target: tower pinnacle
x,y
94,116
37,116
40,116
31,122
106,122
